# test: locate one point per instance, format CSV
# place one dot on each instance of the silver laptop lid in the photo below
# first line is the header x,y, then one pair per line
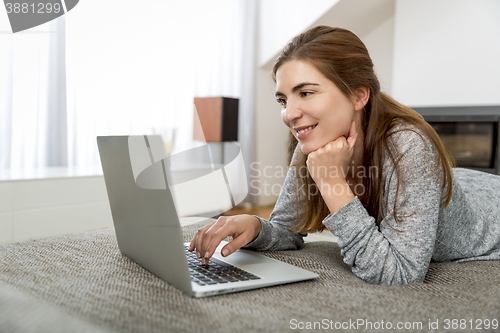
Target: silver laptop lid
x,y
144,214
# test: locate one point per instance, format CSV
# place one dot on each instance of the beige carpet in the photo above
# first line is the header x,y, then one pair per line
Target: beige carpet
x,y
82,283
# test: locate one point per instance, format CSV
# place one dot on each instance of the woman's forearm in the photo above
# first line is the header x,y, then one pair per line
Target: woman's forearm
x,y
336,193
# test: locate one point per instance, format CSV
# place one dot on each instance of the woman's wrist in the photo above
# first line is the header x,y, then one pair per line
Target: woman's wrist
x,y
336,193
258,228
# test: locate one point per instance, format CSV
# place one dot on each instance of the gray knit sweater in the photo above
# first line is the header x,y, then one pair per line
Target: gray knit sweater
x,y
467,229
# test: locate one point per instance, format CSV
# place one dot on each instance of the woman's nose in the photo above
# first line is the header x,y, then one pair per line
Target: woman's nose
x,y
291,113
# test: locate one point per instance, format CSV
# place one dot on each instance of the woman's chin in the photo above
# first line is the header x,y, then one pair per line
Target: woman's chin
x,y
306,150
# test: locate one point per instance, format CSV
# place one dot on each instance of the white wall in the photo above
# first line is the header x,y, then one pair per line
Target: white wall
x,y
380,45
281,20
271,141
447,52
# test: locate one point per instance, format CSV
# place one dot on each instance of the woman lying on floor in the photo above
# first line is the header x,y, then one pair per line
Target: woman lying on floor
x,y
369,169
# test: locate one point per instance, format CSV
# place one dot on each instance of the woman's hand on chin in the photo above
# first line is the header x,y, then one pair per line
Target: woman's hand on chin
x,y
332,161
328,167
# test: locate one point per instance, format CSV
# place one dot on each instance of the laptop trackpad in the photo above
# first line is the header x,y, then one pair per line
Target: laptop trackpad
x,y
242,257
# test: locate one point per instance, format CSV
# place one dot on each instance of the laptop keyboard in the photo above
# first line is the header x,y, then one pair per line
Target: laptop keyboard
x,y
215,272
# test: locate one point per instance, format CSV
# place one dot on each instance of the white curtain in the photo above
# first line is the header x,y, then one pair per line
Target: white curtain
x,y
122,67
33,130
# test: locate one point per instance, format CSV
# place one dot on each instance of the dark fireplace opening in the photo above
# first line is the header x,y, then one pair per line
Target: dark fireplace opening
x,y
469,133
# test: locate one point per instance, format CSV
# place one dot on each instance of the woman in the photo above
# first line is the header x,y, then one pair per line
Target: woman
x,y
369,169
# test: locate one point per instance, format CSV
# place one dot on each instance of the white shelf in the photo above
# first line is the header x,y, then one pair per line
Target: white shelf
x,y
53,201
48,173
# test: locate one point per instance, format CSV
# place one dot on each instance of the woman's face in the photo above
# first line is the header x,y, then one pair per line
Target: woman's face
x,y
314,108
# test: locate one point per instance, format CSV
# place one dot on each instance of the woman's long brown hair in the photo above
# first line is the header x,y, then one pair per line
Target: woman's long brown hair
x,y
343,58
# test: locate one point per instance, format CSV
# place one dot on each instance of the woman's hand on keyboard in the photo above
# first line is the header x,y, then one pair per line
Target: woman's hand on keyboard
x,y
243,229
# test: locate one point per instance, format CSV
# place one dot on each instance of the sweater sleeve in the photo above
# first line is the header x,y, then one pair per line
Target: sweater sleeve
x,y
277,233
398,253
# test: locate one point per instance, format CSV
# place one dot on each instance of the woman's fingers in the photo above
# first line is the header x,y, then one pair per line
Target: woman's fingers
x,y
212,242
192,245
205,235
352,136
243,228
207,238
237,242
198,238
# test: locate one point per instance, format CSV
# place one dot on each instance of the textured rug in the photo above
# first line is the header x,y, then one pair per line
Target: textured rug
x,y
82,283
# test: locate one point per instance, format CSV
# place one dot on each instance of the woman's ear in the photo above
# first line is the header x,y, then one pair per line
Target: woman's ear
x,y
361,97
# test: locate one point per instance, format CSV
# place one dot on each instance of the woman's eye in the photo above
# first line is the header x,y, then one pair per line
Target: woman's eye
x,y
281,101
305,93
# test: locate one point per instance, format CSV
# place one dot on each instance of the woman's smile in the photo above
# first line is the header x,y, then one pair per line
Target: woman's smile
x,y
304,131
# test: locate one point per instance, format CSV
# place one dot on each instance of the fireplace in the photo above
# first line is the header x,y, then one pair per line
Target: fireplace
x,y
469,133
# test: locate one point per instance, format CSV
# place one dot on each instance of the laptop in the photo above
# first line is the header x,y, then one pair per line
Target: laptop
x,y
148,230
